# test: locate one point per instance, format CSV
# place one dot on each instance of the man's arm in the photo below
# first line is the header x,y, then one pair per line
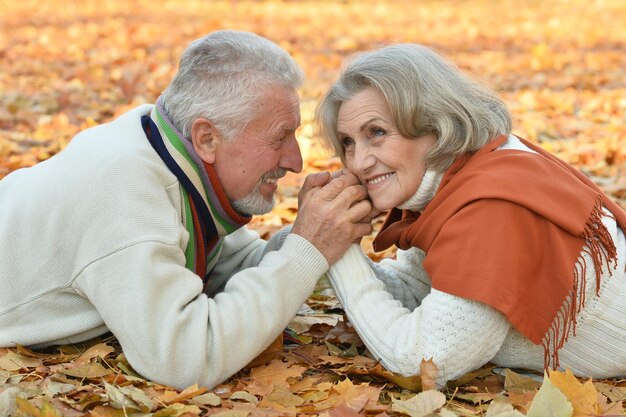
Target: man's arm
x,y
173,333
242,249
170,330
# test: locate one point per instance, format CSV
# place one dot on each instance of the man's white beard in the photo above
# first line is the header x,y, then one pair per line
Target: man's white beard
x,y
253,203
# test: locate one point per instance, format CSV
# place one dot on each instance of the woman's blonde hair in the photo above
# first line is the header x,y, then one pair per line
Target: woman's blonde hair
x,y
426,94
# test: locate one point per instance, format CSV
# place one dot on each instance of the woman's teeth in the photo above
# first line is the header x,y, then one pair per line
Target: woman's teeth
x,y
379,179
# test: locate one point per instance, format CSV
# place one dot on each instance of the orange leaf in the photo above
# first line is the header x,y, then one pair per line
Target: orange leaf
x,y
583,397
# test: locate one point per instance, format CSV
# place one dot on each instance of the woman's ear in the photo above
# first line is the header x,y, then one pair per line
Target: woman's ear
x,y
205,138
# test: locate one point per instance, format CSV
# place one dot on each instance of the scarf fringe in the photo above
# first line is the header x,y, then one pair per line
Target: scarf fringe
x,y
601,249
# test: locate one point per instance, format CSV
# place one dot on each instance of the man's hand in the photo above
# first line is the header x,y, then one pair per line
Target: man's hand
x,y
332,213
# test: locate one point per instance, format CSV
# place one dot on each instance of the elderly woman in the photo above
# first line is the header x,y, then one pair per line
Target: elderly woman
x,y
506,254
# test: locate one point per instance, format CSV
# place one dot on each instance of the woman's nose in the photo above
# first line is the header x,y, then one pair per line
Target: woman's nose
x,y
362,159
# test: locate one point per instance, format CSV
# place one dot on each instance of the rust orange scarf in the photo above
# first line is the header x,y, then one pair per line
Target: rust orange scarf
x,y
507,229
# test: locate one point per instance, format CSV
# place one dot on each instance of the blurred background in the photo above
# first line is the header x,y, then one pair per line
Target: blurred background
x,y
560,66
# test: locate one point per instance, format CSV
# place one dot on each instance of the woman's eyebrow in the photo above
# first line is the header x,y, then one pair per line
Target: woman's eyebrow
x,y
364,125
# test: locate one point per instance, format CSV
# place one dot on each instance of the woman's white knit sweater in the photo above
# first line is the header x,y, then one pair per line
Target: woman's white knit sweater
x,y
93,240
402,320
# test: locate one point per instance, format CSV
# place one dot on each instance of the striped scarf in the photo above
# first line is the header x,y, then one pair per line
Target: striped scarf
x,y
208,215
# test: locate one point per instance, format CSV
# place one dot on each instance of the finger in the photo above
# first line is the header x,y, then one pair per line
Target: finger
x,y
306,194
351,194
359,211
318,179
362,229
312,182
338,185
339,173
374,212
348,174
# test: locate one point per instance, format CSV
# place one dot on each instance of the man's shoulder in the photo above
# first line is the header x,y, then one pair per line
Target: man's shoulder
x,y
121,141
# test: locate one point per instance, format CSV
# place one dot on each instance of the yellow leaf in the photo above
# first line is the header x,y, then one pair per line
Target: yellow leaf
x,y
101,350
89,370
582,396
245,396
208,399
413,383
277,372
501,408
189,392
232,413
119,399
420,405
13,361
178,409
284,397
26,408
515,382
428,374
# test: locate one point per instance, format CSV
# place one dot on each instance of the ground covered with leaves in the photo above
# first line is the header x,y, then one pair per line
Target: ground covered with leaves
x,y
67,65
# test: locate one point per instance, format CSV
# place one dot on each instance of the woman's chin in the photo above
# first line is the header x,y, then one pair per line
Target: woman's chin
x,y
382,205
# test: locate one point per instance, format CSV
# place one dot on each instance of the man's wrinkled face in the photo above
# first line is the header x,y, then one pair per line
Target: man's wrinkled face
x,y
250,164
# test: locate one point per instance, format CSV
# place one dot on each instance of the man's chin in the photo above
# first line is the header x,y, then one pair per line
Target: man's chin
x,y
253,204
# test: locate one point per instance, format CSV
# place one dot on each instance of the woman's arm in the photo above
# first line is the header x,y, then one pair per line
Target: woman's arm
x,y
404,277
458,334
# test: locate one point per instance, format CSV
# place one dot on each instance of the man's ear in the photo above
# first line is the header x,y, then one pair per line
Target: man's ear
x,y
205,138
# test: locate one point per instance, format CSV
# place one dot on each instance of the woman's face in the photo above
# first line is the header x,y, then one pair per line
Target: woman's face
x,y
390,165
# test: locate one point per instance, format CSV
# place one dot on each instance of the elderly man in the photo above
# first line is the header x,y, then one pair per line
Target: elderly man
x,y
138,226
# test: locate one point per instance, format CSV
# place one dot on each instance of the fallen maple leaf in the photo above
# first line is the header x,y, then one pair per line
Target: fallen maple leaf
x,y
515,382
207,399
171,397
88,370
343,410
550,402
428,374
420,405
101,350
245,396
283,397
413,383
24,407
277,372
583,397
502,408
129,397
13,361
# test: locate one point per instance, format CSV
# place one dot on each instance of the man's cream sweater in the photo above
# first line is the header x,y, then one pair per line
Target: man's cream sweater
x,y
92,240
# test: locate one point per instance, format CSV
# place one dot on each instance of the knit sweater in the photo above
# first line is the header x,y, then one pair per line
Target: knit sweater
x,y
93,240
402,320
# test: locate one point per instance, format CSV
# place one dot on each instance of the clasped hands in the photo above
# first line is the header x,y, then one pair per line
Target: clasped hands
x,y
333,212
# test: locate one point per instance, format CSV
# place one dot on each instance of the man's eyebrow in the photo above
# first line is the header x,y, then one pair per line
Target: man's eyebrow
x,y
287,128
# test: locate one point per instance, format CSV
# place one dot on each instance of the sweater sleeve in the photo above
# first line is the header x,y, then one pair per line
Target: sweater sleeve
x,y
173,333
404,277
242,249
458,334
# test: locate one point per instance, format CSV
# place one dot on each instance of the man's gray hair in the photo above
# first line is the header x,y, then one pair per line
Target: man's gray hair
x,y
222,76
426,94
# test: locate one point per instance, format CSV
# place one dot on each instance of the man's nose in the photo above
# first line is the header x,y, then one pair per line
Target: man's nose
x,y
291,158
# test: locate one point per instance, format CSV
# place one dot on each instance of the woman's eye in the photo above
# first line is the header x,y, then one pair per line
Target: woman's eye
x,y
377,131
346,142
